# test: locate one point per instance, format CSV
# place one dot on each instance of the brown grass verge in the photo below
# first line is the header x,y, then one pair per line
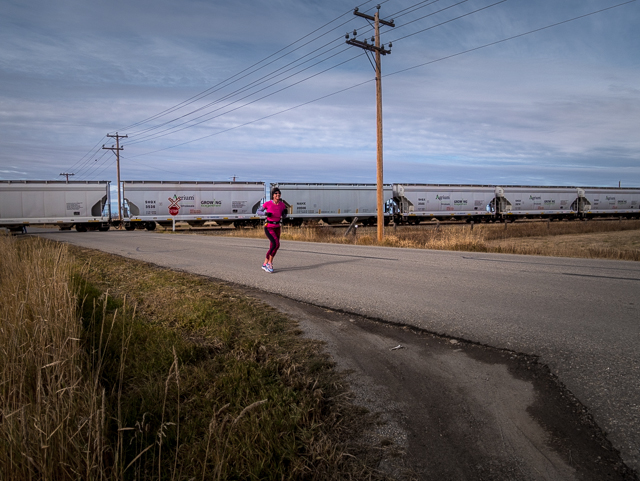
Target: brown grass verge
x,y
135,372
595,239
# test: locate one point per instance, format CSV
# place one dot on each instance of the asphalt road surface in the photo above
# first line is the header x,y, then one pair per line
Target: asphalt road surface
x,y
580,317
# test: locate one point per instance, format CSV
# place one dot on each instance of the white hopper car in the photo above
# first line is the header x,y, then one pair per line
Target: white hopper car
x,y
481,203
599,201
193,202
333,203
83,204
417,202
542,202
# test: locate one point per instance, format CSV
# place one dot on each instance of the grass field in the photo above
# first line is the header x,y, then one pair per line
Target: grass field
x,y
594,239
114,369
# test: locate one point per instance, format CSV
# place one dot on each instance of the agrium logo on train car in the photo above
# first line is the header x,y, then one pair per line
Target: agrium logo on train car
x,y
190,199
174,205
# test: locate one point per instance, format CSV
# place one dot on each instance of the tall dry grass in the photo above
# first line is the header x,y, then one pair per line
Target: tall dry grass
x,y
51,421
498,238
203,388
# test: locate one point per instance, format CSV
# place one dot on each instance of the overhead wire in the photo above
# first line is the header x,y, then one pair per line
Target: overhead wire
x,y
192,122
260,119
269,76
85,159
388,75
209,116
220,84
272,74
255,100
86,171
447,21
506,39
88,155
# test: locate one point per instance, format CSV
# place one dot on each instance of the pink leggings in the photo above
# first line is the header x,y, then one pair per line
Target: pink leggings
x,y
273,233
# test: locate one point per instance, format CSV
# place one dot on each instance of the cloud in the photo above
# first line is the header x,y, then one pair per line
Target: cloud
x,y
556,107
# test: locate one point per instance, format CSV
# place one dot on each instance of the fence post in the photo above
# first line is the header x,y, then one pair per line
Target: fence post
x,y
471,225
351,226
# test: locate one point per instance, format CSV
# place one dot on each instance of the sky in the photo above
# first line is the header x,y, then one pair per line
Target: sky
x,y
474,91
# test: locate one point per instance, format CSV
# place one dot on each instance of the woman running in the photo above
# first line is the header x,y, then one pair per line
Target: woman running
x,y
275,210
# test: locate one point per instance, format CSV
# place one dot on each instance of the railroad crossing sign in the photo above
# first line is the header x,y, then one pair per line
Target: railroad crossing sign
x,y
174,205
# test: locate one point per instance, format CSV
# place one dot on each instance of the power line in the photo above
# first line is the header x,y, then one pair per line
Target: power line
x,y
386,75
193,124
84,160
88,154
208,91
507,39
271,74
245,88
93,166
258,120
448,21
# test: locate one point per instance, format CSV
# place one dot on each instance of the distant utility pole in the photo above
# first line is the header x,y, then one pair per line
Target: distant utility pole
x,y
67,176
378,50
117,150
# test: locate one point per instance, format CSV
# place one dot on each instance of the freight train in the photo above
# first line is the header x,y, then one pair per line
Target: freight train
x,y
85,205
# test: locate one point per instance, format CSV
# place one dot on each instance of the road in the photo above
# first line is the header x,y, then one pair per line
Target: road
x,y
580,317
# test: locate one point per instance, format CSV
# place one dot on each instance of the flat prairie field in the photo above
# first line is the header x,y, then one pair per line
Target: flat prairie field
x,y
573,245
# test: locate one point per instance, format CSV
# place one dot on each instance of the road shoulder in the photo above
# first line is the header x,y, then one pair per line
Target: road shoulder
x,y
450,409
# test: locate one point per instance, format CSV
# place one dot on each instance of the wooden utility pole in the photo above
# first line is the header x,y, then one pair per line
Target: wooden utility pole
x,y
379,50
117,149
67,176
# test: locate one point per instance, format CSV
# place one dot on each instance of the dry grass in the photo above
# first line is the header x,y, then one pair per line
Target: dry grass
x,y
195,382
51,421
594,239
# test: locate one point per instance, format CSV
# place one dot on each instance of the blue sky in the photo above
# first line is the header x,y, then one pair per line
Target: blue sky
x,y
560,106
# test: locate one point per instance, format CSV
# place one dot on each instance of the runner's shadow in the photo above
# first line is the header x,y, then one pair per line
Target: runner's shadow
x,y
313,266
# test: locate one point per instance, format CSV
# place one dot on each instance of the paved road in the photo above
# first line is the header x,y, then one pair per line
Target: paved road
x,y
581,317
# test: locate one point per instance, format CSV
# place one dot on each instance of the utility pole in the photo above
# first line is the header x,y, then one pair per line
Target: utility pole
x,y
67,176
117,149
379,50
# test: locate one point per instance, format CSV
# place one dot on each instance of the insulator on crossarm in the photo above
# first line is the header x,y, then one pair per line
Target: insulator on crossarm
x,y
346,36
355,33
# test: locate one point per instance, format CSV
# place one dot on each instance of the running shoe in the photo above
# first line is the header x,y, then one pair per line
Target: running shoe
x,y
265,267
270,268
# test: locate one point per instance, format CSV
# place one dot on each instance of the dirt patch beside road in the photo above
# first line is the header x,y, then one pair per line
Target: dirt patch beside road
x,y
452,410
